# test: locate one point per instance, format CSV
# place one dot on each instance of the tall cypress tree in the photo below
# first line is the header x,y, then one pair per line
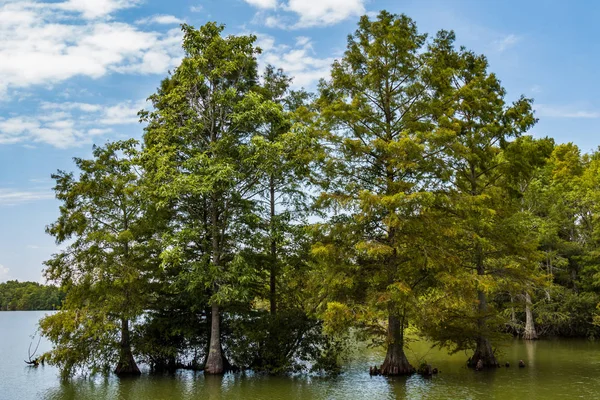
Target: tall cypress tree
x,y
200,159
379,113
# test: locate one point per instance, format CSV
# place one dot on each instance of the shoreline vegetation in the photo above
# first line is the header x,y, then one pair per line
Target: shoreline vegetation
x,y
29,296
258,227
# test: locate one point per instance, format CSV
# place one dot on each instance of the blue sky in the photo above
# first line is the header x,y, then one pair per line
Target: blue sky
x,y
75,72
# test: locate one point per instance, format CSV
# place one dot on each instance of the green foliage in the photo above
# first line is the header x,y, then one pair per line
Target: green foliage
x,y
378,114
25,296
565,313
289,342
433,210
85,341
172,337
201,161
108,264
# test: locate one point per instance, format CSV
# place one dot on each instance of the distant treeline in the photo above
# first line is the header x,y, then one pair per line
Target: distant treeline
x,y
23,296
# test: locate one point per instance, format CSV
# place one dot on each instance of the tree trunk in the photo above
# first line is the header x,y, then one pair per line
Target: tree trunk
x,y
530,333
273,277
484,355
215,364
395,362
126,365
483,350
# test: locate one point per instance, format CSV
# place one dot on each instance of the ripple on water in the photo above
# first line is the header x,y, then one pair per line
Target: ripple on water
x,y
556,369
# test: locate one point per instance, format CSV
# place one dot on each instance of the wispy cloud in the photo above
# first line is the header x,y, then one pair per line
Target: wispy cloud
x,y
544,110
295,14
298,61
68,124
266,4
11,197
506,42
536,89
160,19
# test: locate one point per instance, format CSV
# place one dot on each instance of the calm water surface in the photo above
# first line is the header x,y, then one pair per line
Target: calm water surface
x,y
558,369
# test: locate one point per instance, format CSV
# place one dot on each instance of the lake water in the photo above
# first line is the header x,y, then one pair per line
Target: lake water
x,y
556,369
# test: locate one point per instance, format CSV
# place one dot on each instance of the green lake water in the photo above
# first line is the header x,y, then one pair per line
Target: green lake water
x,y
556,369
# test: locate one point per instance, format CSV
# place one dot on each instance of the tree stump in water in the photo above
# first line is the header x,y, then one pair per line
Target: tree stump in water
x,y
479,365
507,364
426,370
521,364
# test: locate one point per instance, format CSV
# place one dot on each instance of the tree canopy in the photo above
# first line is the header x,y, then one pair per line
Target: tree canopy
x,y
260,227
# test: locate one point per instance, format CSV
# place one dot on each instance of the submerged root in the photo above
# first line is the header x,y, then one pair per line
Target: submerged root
x,y
483,357
127,366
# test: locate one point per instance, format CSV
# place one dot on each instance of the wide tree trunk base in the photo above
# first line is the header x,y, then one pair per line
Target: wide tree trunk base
x,y
395,363
127,366
217,365
530,335
484,356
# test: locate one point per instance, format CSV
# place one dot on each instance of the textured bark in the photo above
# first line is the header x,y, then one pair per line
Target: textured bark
x,y
483,353
530,333
483,350
215,364
395,362
126,365
273,277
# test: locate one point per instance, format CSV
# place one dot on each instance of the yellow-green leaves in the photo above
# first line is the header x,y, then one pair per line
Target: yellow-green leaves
x,y
337,318
108,264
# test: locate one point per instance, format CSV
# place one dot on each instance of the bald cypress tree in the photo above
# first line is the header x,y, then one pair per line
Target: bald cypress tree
x,y
379,113
202,164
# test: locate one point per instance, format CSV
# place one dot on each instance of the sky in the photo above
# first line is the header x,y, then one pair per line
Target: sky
x,y
74,73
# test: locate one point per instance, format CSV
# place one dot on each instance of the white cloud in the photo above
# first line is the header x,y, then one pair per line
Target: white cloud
x,y
266,4
298,62
506,42
122,113
325,12
265,42
302,41
159,19
4,273
47,43
91,9
543,110
308,13
274,21
68,124
86,107
196,9
9,197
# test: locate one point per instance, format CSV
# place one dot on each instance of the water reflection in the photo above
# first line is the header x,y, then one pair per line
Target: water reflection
x,y
555,370
530,348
